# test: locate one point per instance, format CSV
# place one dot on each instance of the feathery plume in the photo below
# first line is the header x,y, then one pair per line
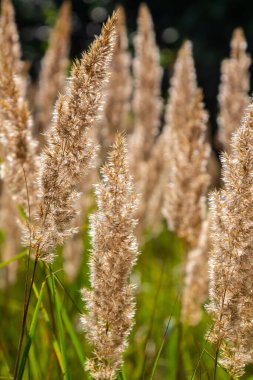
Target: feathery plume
x,y
70,151
233,94
110,302
9,38
152,187
117,97
19,166
195,291
53,67
230,263
147,103
187,151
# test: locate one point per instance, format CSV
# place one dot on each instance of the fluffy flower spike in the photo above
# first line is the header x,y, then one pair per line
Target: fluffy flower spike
x,y
110,304
70,152
233,94
230,263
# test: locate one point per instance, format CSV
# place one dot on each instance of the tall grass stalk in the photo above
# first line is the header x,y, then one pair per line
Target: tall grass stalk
x,y
24,319
233,95
216,361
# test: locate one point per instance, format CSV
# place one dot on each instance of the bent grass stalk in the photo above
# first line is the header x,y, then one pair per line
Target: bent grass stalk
x,y
14,258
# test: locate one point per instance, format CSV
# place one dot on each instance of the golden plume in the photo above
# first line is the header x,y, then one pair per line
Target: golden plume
x,y
230,263
233,94
20,165
147,102
117,95
187,151
70,151
110,305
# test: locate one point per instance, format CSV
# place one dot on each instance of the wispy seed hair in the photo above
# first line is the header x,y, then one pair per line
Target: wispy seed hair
x,y
230,263
147,102
20,165
233,93
118,91
195,290
9,37
70,152
187,151
110,304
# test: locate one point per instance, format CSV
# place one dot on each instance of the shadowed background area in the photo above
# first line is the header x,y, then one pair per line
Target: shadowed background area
x,y
209,24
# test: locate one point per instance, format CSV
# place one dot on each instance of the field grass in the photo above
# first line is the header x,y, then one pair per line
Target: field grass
x,y
160,347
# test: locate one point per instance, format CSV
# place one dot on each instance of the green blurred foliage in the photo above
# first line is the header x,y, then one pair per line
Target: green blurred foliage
x,y
158,279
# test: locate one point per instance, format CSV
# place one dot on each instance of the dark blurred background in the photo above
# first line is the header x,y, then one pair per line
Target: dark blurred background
x,y
209,24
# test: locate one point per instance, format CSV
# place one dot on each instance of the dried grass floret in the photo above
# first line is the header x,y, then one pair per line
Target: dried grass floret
x,y
110,304
118,91
20,165
235,83
195,291
70,152
187,151
147,102
230,262
9,37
